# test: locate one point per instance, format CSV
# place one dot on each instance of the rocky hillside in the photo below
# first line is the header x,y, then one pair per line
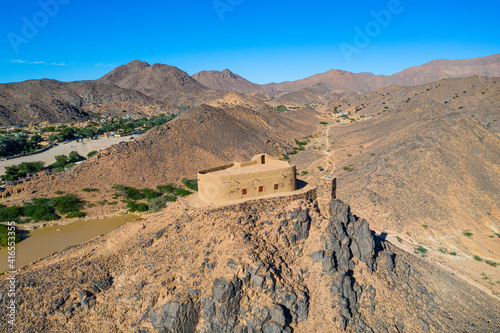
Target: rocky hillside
x,y
423,165
226,81
162,82
268,266
319,93
58,102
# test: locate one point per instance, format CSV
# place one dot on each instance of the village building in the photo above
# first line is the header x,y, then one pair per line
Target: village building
x,y
261,176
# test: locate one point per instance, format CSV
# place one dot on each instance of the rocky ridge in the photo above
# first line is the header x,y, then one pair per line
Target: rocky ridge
x,y
268,266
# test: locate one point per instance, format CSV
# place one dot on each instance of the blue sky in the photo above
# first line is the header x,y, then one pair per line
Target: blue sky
x,y
263,41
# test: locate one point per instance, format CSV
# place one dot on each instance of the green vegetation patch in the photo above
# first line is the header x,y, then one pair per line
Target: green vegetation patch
x,y
4,235
137,207
75,214
467,233
191,184
421,250
492,263
66,204
92,153
21,143
348,168
16,172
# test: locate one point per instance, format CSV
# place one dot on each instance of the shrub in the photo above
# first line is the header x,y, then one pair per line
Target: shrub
x,y
157,204
61,161
281,108
133,193
8,214
150,194
320,168
303,173
348,168
180,192
66,203
40,210
16,172
323,123
168,188
300,143
74,157
75,214
170,198
477,258
58,192
421,250
89,189
191,184
468,233
425,226
137,207
92,153
492,263
453,253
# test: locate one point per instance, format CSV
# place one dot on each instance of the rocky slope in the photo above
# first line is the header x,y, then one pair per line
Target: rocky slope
x,y
226,81
57,102
423,170
319,93
265,266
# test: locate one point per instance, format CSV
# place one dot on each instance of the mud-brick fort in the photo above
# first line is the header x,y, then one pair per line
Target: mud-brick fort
x,y
261,176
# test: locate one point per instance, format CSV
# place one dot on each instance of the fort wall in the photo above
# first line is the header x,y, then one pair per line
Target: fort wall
x,y
259,177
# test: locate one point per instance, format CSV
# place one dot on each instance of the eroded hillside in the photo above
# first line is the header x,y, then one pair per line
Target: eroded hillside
x,y
425,171
59,102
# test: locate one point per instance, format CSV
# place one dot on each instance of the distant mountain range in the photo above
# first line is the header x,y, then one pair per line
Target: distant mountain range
x,y
358,82
138,87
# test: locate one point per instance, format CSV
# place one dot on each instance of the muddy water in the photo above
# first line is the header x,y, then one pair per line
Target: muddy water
x,y
47,240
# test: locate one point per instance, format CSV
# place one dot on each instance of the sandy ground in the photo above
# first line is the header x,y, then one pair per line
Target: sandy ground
x,y
83,148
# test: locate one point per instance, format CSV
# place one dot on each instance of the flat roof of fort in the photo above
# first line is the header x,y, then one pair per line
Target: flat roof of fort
x,y
237,169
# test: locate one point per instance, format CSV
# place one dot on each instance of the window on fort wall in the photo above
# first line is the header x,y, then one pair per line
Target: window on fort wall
x,y
261,188
244,191
276,187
